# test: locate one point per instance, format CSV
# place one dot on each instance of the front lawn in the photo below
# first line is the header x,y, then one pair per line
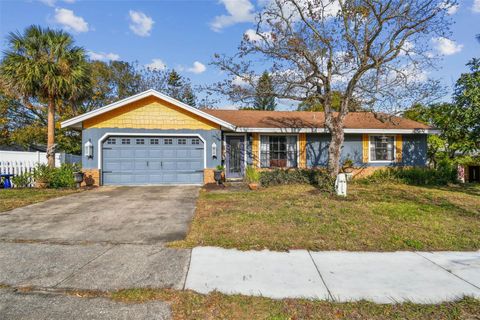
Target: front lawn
x,y
189,305
14,198
385,217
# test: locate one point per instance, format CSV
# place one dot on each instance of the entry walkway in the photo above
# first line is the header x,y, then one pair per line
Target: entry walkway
x,y
390,277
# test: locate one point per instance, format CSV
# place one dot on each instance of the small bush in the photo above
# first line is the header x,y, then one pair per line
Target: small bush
x,y
22,180
56,177
416,176
63,177
317,178
43,173
252,175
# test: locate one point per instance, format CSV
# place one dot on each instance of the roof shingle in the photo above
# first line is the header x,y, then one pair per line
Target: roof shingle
x,y
305,119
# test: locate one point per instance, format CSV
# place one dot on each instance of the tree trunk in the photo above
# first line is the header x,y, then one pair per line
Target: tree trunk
x,y
335,148
51,133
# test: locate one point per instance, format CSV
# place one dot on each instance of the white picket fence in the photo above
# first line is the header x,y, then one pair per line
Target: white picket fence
x,y
19,162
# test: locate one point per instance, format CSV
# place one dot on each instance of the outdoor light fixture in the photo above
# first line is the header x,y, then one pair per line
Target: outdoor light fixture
x,y
89,149
214,150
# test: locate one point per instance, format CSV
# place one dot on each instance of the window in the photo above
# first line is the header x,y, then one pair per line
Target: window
x,y
125,141
195,141
182,141
111,141
154,141
167,141
278,151
382,148
140,141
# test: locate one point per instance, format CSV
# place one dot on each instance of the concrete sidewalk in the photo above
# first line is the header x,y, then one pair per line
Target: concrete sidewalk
x,y
389,277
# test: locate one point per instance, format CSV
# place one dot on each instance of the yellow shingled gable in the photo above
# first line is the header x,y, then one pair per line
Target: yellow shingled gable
x,y
150,113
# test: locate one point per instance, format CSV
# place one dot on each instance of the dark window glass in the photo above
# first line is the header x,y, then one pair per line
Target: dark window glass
x,y
167,141
154,141
182,141
125,141
382,148
112,141
140,141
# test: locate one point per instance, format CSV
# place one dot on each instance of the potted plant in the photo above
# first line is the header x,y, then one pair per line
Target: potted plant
x,y
217,174
42,176
78,178
252,177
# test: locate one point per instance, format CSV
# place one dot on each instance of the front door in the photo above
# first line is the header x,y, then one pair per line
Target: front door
x,y
474,174
235,156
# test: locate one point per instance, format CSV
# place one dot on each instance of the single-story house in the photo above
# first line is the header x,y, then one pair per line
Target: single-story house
x,y
150,138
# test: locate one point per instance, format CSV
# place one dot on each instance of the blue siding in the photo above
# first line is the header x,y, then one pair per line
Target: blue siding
x,y
95,134
414,150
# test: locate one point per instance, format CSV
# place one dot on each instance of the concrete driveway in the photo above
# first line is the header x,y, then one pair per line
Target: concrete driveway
x,y
105,239
114,215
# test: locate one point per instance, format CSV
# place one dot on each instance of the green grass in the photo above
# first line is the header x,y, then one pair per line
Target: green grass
x,y
189,305
14,198
385,217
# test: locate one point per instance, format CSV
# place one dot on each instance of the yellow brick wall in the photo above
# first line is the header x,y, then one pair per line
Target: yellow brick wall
x,y
150,113
255,149
302,142
91,177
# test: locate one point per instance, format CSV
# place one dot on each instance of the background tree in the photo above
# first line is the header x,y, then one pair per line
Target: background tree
x,y
313,104
25,124
371,51
179,88
264,95
458,121
42,67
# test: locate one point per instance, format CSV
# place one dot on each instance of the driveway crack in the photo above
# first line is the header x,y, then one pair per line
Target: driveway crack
x,y
83,266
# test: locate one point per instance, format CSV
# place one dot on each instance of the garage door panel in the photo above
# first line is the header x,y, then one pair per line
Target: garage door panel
x,y
135,164
140,153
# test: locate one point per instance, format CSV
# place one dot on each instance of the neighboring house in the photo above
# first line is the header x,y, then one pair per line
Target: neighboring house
x,y
150,138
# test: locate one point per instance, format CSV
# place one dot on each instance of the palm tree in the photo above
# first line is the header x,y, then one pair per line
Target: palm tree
x,y
44,69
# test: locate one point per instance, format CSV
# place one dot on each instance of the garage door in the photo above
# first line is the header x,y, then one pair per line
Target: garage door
x,y
152,160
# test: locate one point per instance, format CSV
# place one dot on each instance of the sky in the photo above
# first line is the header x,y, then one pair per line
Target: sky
x,y
184,34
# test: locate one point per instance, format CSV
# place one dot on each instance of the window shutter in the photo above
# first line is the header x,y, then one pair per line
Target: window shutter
x,y
255,149
398,147
365,147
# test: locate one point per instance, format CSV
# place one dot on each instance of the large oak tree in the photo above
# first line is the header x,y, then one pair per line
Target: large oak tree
x,y
372,52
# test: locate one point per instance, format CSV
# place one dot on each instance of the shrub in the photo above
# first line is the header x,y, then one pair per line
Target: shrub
x,y
252,175
56,177
63,177
416,176
318,178
23,180
43,173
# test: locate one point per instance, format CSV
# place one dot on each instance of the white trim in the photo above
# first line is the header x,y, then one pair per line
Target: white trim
x,y
394,149
109,134
323,130
244,148
76,122
277,134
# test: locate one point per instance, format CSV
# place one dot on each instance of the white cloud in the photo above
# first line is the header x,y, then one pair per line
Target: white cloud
x,y
253,36
51,3
102,56
238,11
70,21
451,8
141,24
197,68
476,6
156,64
446,46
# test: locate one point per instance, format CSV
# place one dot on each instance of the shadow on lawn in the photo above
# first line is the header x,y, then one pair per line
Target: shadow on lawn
x,y
398,194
